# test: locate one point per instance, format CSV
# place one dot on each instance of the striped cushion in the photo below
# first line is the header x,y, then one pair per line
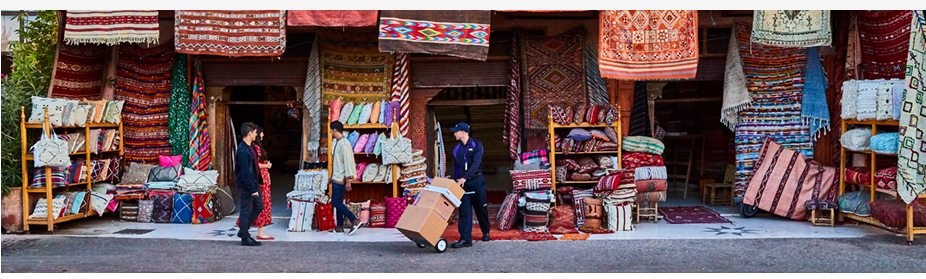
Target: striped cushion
x,y
643,144
58,177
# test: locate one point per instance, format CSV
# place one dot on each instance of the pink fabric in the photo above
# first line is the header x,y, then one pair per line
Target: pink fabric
x,y
335,18
784,179
169,161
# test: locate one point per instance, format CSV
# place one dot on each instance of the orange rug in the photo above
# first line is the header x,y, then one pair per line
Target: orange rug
x,y
575,236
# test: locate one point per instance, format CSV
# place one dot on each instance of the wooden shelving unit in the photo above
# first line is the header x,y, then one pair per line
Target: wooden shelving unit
x,y
553,127
909,230
48,190
393,130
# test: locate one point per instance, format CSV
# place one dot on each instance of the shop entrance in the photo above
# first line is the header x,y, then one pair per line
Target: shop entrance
x,y
269,108
483,108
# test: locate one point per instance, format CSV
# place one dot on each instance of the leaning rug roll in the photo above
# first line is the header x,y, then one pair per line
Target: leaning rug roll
x,y
643,144
651,173
651,185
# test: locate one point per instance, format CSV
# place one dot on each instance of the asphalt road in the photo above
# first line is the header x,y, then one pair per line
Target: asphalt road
x,y
73,254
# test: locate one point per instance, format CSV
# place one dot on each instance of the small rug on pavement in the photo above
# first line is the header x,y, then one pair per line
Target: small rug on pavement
x,y
595,230
452,232
575,236
692,215
538,236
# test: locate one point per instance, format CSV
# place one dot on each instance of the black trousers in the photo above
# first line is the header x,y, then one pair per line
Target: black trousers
x,y
474,202
251,206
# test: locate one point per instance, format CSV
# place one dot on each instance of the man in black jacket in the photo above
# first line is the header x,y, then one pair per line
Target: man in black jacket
x,y
247,179
467,156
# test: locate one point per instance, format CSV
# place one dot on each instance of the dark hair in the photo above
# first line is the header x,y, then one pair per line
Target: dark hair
x,y
247,128
337,126
259,142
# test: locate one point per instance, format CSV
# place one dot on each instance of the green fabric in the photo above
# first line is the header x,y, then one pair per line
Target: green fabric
x,y
355,114
643,144
180,111
378,148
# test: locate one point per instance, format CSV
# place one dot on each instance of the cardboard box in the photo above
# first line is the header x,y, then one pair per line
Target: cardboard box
x,y
427,217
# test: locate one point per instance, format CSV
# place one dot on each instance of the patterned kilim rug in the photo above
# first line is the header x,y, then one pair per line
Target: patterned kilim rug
x,y
648,44
111,27
792,28
512,133
555,76
331,18
884,40
692,215
775,78
78,72
143,80
575,236
912,156
538,236
454,33
230,33
639,116
353,67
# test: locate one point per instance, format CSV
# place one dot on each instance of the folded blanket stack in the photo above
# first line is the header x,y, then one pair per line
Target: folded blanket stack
x,y
867,102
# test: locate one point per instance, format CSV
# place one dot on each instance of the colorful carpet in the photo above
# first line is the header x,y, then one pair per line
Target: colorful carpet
x,y
554,72
884,39
180,111
401,93
575,236
648,44
111,27
512,133
691,215
353,68
333,18
78,72
230,33
775,78
912,156
538,236
461,33
200,141
792,28
143,80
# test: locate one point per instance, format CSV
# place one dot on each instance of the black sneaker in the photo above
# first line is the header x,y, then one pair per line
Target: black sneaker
x,y
461,244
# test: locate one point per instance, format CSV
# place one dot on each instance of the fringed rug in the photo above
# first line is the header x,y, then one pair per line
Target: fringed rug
x,y
735,92
691,215
912,158
648,44
353,68
884,39
200,140
512,133
143,80
454,33
538,236
333,18
792,28
575,236
776,82
111,27
78,72
180,111
230,33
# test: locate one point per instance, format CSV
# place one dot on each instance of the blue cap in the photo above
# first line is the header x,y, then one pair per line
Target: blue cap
x,y
460,127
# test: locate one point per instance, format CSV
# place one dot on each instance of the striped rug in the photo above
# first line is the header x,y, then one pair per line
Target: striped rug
x,y
143,80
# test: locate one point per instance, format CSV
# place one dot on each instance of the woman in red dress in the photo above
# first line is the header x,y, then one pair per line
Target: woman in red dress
x,y
263,219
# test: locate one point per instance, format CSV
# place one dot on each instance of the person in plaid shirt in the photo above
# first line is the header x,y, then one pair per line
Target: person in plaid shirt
x,y
468,173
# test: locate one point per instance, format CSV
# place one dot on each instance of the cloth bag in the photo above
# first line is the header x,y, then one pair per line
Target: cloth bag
x,y
397,151
51,151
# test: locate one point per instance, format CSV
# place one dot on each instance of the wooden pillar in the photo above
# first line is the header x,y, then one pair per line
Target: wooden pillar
x,y
216,121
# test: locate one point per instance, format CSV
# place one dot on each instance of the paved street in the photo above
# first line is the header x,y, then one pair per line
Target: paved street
x,y
880,253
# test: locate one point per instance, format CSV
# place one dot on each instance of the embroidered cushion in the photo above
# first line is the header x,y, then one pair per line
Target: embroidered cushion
x,y
381,175
67,116
508,213
163,174
651,173
346,110
113,168
192,177
579,134
893,213
531,180
334,109
578,200
169,161
394,209
99,109
355,114
361,143
608,183
369,174
360,168
636,160
858,202
856,139
145,211
365,213
651,185
377,215
620,216
163,208
587,165
563,220
611,134
591,116
58,177
560,116
579,113
599,134
886,178
371,143
537,156
324,216
137,174
858,175
183,209
391,108
603,112
581,177
561,174
378,147
113,112
365,114
885,143
608,146
570,164
79,115
203,208
375,112
593,213
643,144
55,110
419,167
300,219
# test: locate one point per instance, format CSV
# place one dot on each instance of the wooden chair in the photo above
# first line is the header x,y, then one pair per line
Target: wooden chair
x,y
710,194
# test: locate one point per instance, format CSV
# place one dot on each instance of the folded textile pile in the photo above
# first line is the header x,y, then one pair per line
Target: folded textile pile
x,y
867,105
310,186
413,175
161,185
872,99
193,181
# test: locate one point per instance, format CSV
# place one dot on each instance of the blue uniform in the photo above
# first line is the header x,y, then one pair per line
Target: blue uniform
x,y
468,165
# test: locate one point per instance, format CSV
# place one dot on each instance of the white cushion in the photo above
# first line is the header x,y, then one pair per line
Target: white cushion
x,y
194,177
113,113
55,110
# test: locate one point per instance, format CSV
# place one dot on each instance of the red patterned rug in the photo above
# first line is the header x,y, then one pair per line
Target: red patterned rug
x,y
538,236
555,75
692,215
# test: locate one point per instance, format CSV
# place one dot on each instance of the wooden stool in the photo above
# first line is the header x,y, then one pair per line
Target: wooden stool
x,y
712,197
827,217
650,213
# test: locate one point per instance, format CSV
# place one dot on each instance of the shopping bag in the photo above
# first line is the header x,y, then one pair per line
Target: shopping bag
x,y
51,151
397,151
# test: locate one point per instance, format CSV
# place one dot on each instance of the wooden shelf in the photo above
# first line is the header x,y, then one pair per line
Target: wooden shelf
x,y
92,125
871,153
589,153
36,221
877,189
551,130
872,122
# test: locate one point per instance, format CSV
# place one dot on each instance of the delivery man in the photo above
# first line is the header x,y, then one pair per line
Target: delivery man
x,y
467,158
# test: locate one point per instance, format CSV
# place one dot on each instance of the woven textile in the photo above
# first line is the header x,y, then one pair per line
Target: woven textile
x,y
776,82
531,180
400,94
814,110
735,94
111,27
143,81
334,18
512,133
230,33
911,162
203,208
508,213
884,39
394,209
312,98
301,218
179,115
183,209
597,89
353,68
792,28
785,179
200,141
324,217
639,117
455,33
538,236
692,215
78,72
555,75
648,44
